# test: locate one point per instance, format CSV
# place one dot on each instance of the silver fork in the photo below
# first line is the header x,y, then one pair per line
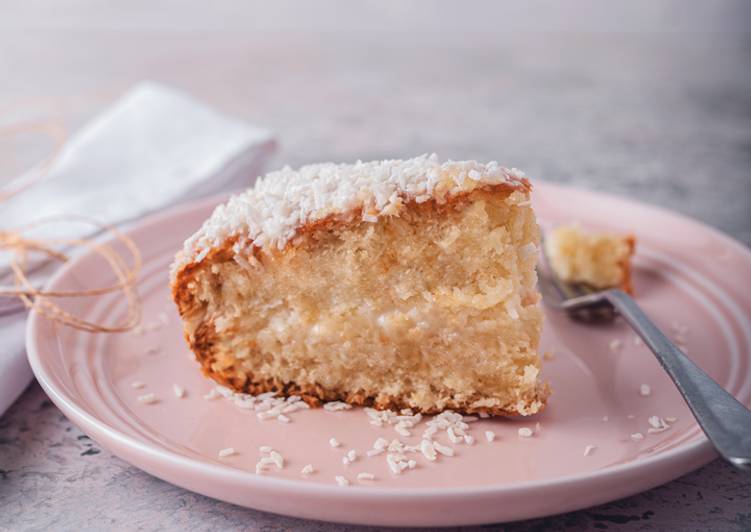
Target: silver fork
x,y
725,421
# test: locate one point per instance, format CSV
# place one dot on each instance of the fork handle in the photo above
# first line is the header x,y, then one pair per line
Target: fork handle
x,y
725,421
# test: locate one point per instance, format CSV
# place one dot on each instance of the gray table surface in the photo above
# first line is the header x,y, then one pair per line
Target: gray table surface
x,y
651,102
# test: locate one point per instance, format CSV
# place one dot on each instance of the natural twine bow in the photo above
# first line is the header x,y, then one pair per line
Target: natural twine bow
x,y
20,246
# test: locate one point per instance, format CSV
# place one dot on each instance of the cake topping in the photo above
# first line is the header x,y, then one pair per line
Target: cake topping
x,y
269,214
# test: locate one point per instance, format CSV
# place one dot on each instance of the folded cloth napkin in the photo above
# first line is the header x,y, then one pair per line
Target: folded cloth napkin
x,y
152,148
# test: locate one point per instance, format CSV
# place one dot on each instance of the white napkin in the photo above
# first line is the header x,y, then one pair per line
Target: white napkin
x,y
149,150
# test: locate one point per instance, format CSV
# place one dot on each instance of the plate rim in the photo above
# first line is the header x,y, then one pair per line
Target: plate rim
x,y
687,457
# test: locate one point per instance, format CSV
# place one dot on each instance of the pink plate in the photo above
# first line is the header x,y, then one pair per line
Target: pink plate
x,y
687,277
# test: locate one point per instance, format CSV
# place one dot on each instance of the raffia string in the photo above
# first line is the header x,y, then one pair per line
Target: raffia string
x,y
20,246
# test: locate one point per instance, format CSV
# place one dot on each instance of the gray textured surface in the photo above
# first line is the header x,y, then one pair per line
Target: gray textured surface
x,y
662,116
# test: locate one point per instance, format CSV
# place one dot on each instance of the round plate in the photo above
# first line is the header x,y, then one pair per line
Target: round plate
x,y
686,276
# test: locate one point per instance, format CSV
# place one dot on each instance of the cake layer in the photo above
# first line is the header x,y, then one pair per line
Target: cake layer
x,y
429,304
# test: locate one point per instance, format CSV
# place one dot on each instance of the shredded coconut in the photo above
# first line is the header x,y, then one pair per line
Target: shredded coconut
x,y
148,399
336,406
229,451
269,214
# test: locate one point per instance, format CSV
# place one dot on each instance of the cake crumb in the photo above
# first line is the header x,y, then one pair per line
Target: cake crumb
x,y
645,390
589,449
229,451
525,432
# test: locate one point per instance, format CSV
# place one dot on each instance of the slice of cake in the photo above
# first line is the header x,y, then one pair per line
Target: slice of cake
x,y
397,284
600,260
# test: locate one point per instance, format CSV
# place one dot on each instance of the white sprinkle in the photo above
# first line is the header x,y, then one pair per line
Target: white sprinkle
x,y
213,394
224,391
605,418
277,458
265,395
341,480
636,436
615,344
445,450
525,432
469,440
374,452
589,449
671,419
489,435
655,422
427,448
282,418
452,435
345,460
645,390
335,406
365,476
148,399
393,464
411,464
178,390
307,470
637,341
351,455
265,449
137,385
334,442
630,416
381,443
401,429
229,451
